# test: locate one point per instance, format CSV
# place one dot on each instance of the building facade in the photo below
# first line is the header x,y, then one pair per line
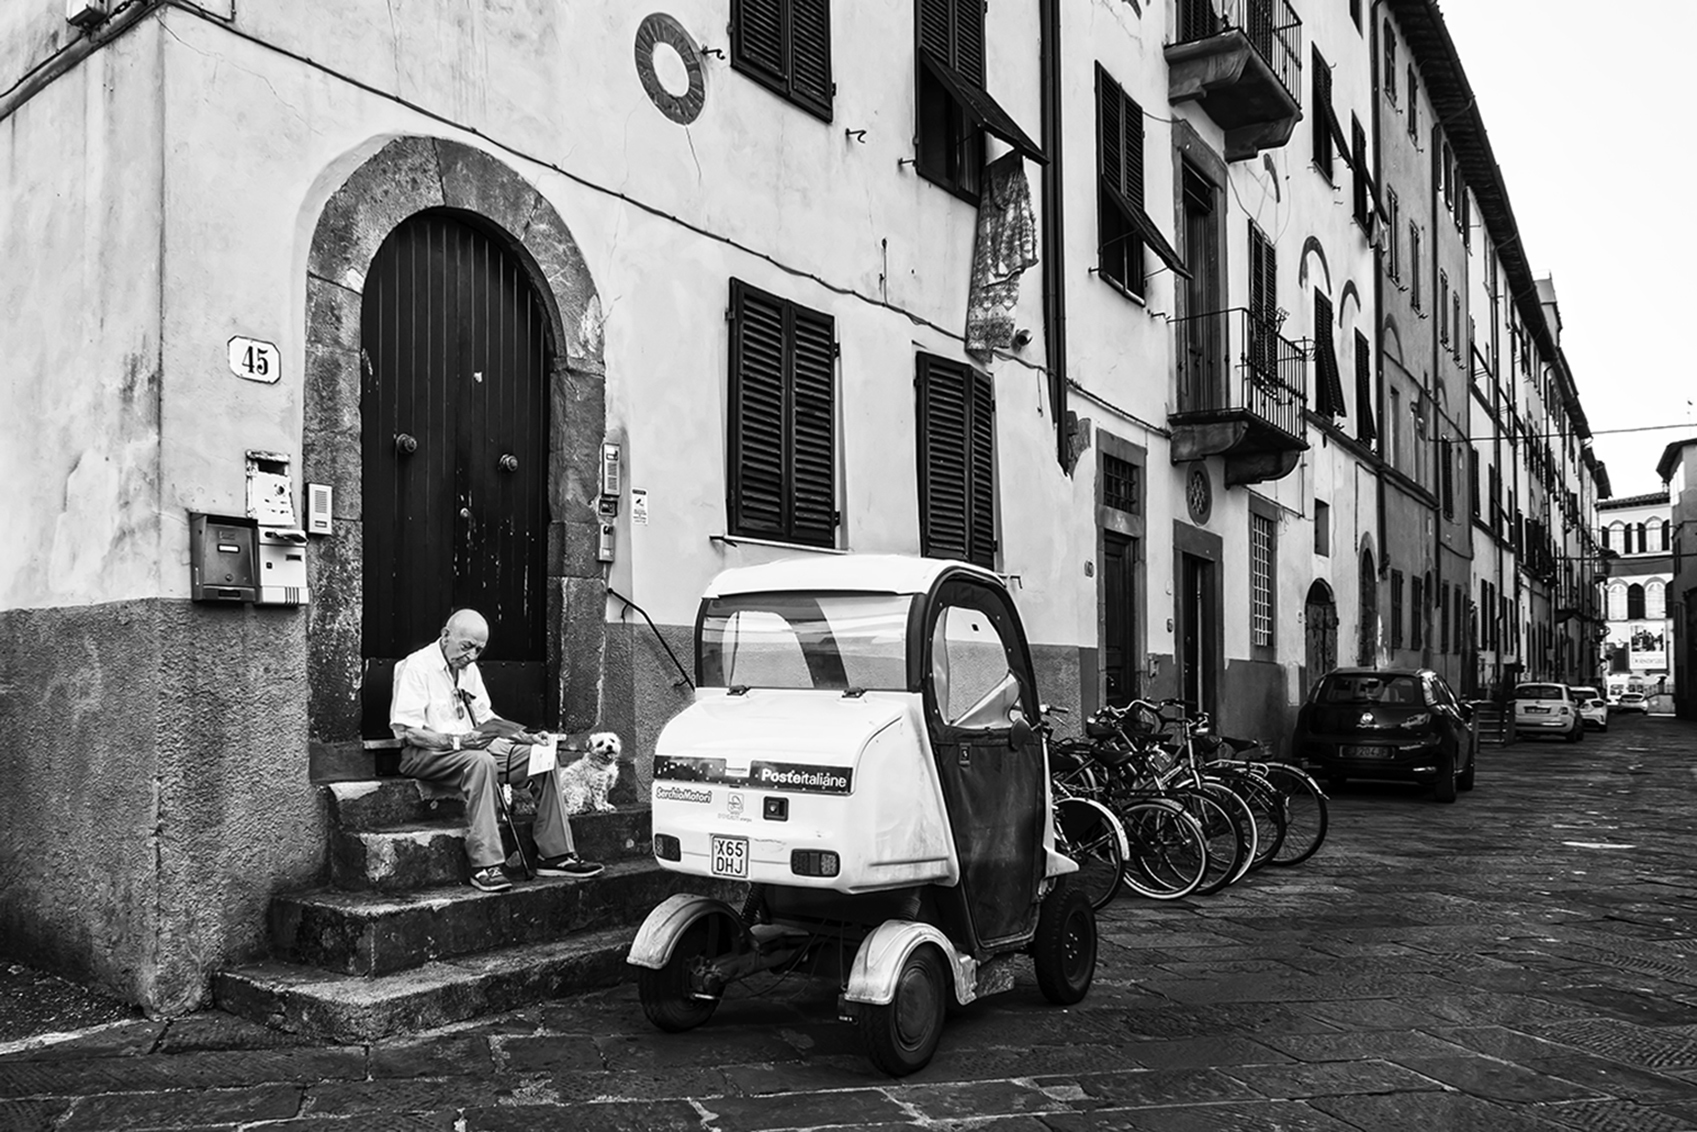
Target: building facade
x,y
1678,469
1639,648
558,310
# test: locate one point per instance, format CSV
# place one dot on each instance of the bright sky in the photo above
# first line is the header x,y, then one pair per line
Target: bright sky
x,y
1584,105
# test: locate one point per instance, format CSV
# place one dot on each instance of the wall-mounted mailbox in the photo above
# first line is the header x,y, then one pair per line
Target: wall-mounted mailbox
x,y
221,558
282,566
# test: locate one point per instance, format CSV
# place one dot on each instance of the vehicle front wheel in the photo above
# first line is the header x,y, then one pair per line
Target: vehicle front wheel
x,y
667,995
1063,953
902,1035
1443,790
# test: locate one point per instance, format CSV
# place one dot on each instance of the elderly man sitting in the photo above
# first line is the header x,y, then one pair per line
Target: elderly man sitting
x,y
442,713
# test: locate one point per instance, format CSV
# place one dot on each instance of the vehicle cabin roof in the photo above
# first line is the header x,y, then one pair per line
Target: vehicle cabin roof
x,y
842,573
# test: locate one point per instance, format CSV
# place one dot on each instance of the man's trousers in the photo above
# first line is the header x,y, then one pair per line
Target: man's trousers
x,y
478,774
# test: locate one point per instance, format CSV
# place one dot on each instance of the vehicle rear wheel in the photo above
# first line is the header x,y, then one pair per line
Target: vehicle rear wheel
x,y
1091,835
1063,953
666,994
902,1035
1443,790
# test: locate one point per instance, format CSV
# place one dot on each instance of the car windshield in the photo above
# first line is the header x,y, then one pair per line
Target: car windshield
x,y
1371,688
1584,693
806,640
1541,692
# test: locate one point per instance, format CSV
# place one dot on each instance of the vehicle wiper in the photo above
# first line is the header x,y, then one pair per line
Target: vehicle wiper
x,y
853,693
737,690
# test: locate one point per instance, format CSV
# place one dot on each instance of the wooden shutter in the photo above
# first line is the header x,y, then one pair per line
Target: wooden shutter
x,y
1320,111
1263,277
1365,428
810,54
813,429
1329,400
757,30
756,481
956,462
1110,133
936,28
969,39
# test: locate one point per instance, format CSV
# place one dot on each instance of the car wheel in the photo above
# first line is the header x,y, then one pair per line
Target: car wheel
x,y
1443,790
665,994
1063,953
902,1035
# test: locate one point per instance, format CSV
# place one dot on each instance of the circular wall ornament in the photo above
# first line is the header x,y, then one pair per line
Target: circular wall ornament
x,y
1199,493
661,33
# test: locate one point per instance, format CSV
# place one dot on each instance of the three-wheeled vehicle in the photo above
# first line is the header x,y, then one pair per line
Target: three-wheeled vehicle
x,y
861,752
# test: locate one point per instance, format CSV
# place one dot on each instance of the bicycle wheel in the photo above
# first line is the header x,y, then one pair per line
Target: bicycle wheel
x,y
1091,835
1224,831
1306,818
1167,856
1264,802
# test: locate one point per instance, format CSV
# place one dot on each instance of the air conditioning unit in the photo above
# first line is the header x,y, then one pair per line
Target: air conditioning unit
x,y
87,13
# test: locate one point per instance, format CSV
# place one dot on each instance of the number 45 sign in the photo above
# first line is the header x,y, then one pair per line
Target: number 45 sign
x,y
255,360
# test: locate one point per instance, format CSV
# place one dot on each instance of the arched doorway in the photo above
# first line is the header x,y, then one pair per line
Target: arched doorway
x,y
456,347
1367,650
1321,619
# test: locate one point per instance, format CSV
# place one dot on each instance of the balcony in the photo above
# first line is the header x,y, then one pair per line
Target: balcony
x,y
1242,393
1242,61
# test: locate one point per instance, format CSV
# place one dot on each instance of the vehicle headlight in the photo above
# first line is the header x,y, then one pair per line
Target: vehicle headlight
x,y
1418,719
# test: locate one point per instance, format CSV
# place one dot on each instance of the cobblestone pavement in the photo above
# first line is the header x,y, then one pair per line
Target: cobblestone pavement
x,y
1525,959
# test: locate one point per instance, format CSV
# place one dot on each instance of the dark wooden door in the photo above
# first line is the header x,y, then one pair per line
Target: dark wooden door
x,y
455,351
1321,620
1197,632
1119,616
1200,329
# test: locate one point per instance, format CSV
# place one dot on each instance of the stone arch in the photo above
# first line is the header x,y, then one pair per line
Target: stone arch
x,y
405,176
1349,293
1392,334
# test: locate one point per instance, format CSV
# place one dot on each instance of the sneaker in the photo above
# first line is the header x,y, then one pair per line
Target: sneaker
x,y
568,865
491,879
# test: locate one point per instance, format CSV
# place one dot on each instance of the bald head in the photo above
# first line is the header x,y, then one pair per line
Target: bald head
x,y
464,637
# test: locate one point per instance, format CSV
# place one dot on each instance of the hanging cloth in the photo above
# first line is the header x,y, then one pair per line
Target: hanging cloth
x,y
1005,246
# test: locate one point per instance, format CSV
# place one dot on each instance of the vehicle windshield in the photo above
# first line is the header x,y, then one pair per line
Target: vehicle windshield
x,y
806,640
1372,688
1541,692
1583,693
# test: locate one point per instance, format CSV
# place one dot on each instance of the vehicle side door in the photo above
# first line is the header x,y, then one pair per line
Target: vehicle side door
x,y
1448,706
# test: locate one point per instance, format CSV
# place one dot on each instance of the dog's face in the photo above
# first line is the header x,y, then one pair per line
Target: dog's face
x,y
604,747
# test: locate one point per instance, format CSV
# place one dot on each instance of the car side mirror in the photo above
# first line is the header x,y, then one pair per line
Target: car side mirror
x,y
1021,733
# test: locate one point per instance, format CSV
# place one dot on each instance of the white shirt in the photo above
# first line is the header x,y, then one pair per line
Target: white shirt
x,y
427,695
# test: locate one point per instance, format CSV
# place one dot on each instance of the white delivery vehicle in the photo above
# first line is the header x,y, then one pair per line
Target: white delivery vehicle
x,y
861,752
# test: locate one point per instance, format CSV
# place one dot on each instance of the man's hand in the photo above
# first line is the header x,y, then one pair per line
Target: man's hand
x,y
472,741
531,737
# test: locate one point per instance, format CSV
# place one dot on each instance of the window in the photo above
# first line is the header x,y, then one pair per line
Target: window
x,y
957,491
1355,13
1365,429
1414,263
1455,323
1393,265
1328,384
953,107
1605,533
1393,428
1446,477
1473,480
785,46
1122,227
1322,529
1413,106
1396,609
1635,602
1655,601
1643,543
1260,580
1358,163
1325,122
1121,485
1444,308
1667,534
1417,615
1390,62
782,444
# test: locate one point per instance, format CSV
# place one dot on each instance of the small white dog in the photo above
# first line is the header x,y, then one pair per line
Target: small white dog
x,y
584,784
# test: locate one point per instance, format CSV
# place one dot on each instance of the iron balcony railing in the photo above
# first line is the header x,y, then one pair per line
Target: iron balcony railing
x,y
1236,360
1271,26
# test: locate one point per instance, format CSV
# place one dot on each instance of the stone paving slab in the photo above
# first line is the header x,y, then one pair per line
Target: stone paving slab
x,y
1433,969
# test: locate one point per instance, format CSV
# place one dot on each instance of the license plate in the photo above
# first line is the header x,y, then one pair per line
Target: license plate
x,y
1366,752
730,857
1537,710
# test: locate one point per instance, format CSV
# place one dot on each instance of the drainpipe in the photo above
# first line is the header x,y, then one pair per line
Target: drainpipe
x,y
1378,311
1054,224
1433,383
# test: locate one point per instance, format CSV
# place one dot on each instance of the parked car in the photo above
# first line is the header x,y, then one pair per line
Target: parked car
x,y
1547,709
1633,701
1397,723
1593,709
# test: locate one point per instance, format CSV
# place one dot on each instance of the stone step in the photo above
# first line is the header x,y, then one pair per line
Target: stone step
x,y
363,933
354,1008
423,854
385,803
